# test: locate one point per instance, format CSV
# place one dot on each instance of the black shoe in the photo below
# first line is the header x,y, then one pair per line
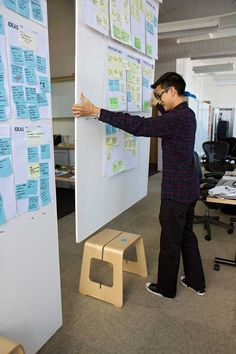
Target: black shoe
x,y
183,282
152,288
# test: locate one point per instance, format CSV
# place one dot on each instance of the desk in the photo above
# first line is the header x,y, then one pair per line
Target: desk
x,y
66,177
218,260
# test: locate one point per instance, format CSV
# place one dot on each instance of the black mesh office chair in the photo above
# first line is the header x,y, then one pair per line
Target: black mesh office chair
x,y
206,219
216,157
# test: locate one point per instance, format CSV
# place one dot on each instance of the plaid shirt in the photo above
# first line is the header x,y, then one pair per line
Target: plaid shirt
x,y
177,130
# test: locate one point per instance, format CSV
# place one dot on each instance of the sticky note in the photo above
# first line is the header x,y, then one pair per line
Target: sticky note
x,y
3,96
2,213
5,146
17,74
22,111
1,25
30,76
113,103
1,63
45,151
32,186
1,78
21,191
42,99
33,203
44,169
33,154
16,55
23,8
44,84
34,171
3,115
29,58
34,112
44,184
5,167
18,94
41,64
45,197
11,4
37,10
30,94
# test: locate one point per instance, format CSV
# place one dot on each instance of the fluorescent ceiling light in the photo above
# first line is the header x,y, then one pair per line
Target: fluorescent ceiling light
x,y
186,25
214,56
200,37
203,69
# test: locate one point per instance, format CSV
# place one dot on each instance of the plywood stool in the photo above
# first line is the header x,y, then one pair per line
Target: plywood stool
x,y
7,346
109,245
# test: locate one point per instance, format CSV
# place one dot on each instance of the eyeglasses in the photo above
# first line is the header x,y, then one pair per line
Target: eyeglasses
x,y
158,97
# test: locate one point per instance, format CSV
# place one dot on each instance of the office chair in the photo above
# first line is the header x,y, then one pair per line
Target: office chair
x,y
232,147
206,219
215,160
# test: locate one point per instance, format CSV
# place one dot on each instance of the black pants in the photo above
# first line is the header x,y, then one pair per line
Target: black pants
x,y
177,236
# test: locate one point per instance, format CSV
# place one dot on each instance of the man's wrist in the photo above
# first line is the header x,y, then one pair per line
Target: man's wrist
x,y
97,112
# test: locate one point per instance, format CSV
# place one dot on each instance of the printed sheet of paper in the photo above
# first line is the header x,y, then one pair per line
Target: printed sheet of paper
x,y
116,77
120,21
137,13
4,86
96,15
28,61
34,10
134,84
152,10
7,187
32,164
121,151
147,80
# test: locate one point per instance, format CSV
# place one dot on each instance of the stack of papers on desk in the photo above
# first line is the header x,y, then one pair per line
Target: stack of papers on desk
x,y
223,192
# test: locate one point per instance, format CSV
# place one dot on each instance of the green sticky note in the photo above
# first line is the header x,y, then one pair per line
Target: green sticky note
x,y
137,43
146,105
113,103
149,49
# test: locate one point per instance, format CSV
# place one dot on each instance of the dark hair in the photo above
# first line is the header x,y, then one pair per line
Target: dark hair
x,y
171,79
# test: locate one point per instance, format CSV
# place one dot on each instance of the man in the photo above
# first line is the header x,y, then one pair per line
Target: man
x,y
180,183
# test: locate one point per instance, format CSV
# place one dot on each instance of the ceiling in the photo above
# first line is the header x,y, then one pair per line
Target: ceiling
x,y
198,29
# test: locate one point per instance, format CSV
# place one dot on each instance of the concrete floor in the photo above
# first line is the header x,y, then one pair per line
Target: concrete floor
x,y
188,324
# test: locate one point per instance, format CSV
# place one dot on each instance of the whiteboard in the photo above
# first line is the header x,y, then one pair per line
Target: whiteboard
x,y
99,199
30,295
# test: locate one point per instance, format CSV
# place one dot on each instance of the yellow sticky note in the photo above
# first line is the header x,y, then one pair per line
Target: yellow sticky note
x,y
34,171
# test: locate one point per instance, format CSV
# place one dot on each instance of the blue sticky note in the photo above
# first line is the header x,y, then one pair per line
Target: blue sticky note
x,y
2,213
44,191
44,84
22,110
5,146
111,88
18,94
16,55
33,154
45,197
1,63
3,115
42,99
17,74
1,25
29,58
3,96
23,8
44,169
44,184
33,112
108,129
30,76
30,94
5,167
45,151
116,85
33,203
37,10
41,64
32,186
1,78
11,4
21,191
